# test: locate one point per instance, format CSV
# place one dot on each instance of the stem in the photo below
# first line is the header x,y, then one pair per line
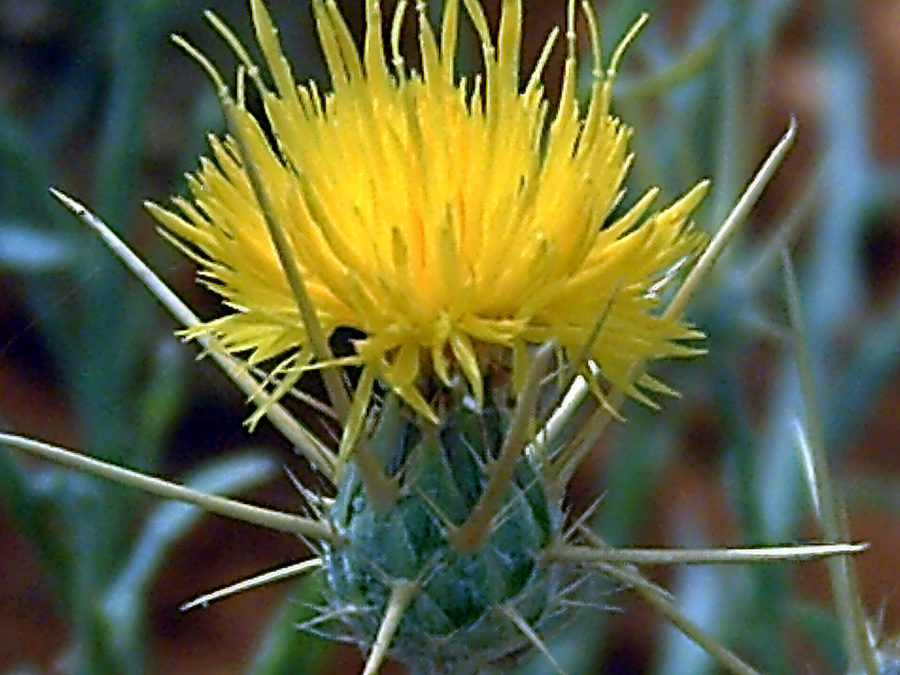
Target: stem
x,y
256,515
828,504
730,226
337,392
566,464
255,582
700,556
382,491
289,427
663,603
472,534
402,593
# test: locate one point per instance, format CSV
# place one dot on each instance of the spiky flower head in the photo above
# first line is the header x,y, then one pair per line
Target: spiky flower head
x,y
446,219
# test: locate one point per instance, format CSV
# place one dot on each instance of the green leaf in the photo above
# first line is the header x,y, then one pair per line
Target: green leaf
x,y
285,649
26,499
28,249
123,603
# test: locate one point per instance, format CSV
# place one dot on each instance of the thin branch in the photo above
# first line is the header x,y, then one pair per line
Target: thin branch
x,y
662,602
700,556
402,593
738,215
732,222
382,491
472,534
828,503
254,582
303,439
230,508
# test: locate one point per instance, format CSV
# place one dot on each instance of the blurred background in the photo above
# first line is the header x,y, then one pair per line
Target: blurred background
x,y
95,100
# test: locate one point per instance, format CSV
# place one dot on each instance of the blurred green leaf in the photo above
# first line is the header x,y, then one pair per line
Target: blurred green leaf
x,y
25,499
25,249
285,649
821,627
123,601
161,402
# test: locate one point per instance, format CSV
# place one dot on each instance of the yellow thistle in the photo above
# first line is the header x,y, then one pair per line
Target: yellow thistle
x,y
437,215
461,233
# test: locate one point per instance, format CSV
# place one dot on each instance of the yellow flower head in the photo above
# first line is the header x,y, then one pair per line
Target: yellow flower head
x,y
437,215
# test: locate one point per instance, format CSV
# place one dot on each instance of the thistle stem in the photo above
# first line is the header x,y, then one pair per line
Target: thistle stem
x,y
569,460
828,504
566,464
402,593
701,556
382,491
472,534
662,602
230,508
733,221
255,582
290,428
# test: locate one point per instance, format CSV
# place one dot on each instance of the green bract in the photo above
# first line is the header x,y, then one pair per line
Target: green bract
x,y
459,617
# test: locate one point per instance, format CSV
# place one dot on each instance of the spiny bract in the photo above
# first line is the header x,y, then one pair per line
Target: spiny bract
x,y
458,618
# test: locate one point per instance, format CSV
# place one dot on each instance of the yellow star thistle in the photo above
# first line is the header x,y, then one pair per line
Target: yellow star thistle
x,y
437,215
